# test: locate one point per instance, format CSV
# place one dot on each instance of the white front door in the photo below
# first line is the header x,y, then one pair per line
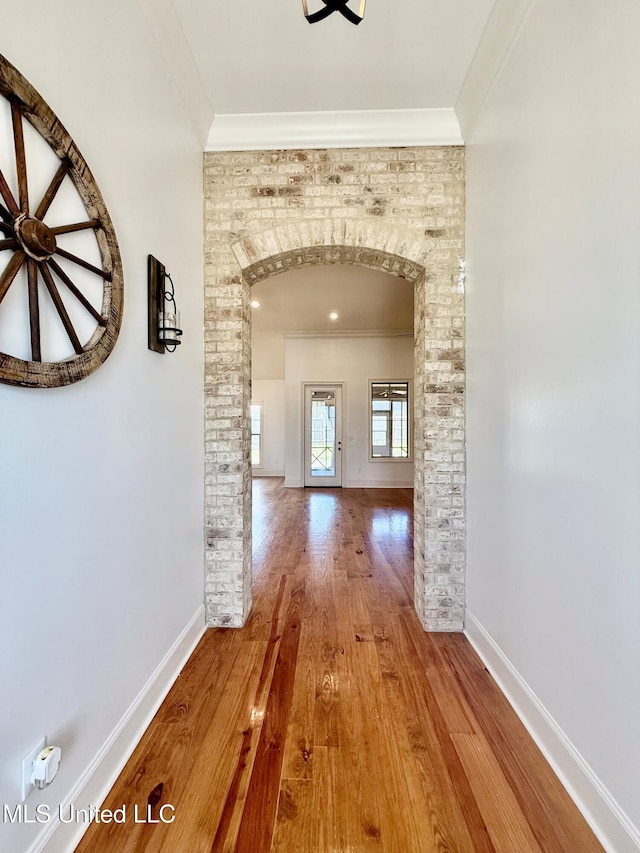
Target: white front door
x,y
323,435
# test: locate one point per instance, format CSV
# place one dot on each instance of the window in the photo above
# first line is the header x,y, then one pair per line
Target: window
x,y
390,420
256,435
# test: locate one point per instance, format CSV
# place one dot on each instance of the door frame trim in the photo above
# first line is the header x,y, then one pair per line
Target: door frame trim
x,y
343,396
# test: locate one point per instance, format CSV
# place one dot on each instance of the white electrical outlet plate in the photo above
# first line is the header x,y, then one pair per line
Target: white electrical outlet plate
x,y
27,768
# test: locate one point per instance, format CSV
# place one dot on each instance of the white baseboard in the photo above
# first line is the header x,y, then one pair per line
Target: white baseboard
x,y
378,484
257,473
97,780
358,484
613,827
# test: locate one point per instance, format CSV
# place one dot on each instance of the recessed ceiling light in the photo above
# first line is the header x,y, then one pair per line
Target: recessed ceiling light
x,y
333,315
255,303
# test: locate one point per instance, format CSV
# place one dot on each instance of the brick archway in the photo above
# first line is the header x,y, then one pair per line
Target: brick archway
x,y
237,260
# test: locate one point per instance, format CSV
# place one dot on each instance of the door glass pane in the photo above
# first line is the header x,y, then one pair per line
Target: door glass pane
x,y
323,434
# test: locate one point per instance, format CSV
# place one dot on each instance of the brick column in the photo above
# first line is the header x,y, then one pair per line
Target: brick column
x,y
398,210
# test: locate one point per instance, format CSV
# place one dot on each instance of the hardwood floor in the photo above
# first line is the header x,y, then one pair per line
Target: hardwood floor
x,y
331,722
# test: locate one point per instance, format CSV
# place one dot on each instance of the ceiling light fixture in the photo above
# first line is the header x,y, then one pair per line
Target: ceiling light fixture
x,y
333,315
255,303
331,6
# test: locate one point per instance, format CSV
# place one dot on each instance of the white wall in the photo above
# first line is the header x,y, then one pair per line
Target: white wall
x,y
554,382
101,482
267,355
271,393
354,362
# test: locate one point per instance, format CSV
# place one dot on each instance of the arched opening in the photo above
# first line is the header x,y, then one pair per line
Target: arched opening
x,y
332,404
438,551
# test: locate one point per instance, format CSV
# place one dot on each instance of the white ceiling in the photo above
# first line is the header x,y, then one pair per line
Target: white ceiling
x,y
392,80
261,56
301,301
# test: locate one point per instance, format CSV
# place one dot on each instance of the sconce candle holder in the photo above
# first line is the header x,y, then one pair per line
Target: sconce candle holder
x,y
164,330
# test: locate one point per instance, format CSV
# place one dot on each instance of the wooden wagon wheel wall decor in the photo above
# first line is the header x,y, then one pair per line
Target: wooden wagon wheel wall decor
x,y
61,284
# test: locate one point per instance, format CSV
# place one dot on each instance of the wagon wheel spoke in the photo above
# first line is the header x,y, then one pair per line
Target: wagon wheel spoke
x,y
9,200
77,226
62,311
21,159
10,272
79,296
34,309
52,189
8,244
87,266
6,216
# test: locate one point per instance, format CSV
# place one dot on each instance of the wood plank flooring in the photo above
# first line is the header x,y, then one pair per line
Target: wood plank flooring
x,y
331,723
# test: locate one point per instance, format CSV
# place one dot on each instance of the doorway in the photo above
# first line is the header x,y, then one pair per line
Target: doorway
x,y
233,269
322,440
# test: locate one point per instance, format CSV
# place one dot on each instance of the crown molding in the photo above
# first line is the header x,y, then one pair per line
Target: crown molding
x,y
167,32
503,27
351,333
357,129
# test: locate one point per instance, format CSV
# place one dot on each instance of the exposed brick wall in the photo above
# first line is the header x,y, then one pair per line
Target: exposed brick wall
x,y
396,209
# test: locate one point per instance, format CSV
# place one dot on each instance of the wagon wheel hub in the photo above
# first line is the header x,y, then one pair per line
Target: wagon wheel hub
x,y
36,238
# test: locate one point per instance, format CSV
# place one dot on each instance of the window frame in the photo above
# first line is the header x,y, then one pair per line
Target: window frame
x,y
408,383
260,405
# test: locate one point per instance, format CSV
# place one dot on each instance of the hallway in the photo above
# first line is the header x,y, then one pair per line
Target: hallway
x,y
331,721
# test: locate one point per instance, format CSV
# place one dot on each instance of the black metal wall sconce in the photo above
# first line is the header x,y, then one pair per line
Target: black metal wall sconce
x,y
164,318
